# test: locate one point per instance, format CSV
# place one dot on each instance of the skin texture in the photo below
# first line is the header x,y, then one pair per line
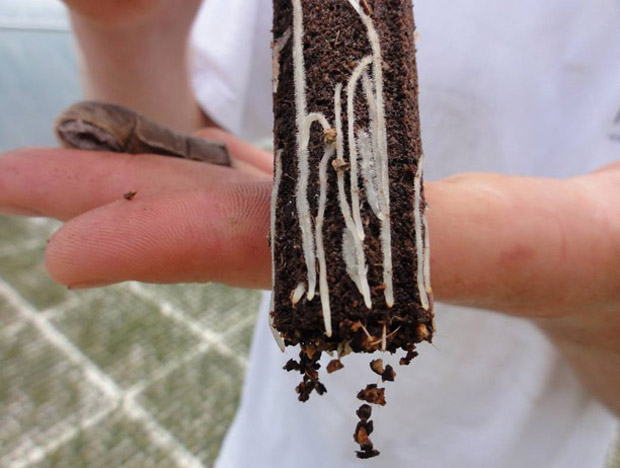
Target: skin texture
x,y
123,41
544,249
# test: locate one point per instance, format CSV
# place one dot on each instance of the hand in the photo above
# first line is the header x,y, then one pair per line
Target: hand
x,y
117,14
188,222
544,249
527,246
134,53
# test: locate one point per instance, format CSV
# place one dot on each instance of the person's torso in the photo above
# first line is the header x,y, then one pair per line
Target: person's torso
x,y
524,87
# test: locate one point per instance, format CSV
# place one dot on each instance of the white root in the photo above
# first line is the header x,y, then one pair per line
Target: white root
x,y
301,194
427,256
360,278
368,149
304,139
419,240
274,197
278,46
386,241
369,172
356,6
320,250
308,121
380,137
277,177
275,333
378,166
355,198
298,293
343,349
351,259
386,235
299,70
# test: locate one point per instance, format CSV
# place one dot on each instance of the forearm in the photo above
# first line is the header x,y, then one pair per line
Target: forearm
x,y
143,66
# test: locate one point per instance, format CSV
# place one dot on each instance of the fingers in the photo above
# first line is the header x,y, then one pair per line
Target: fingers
x,y
245,154
210,235
522,245
62,183
516,244
613,167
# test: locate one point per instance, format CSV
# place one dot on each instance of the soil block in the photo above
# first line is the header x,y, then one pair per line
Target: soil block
x,y
349,233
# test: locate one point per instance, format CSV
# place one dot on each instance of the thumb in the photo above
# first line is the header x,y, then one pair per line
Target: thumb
x,y
218,235
525,245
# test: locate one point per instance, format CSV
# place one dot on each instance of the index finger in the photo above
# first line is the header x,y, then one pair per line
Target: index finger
x,y
63,183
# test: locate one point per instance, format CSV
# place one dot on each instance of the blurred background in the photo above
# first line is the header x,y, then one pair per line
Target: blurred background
x,y
130,375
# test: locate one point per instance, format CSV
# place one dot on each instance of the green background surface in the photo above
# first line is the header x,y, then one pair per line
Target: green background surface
x,y
126,375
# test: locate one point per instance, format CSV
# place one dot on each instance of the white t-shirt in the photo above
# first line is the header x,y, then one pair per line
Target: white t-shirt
x,y
523,87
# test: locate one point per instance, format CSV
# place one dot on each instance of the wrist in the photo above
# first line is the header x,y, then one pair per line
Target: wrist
x,y
142,65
